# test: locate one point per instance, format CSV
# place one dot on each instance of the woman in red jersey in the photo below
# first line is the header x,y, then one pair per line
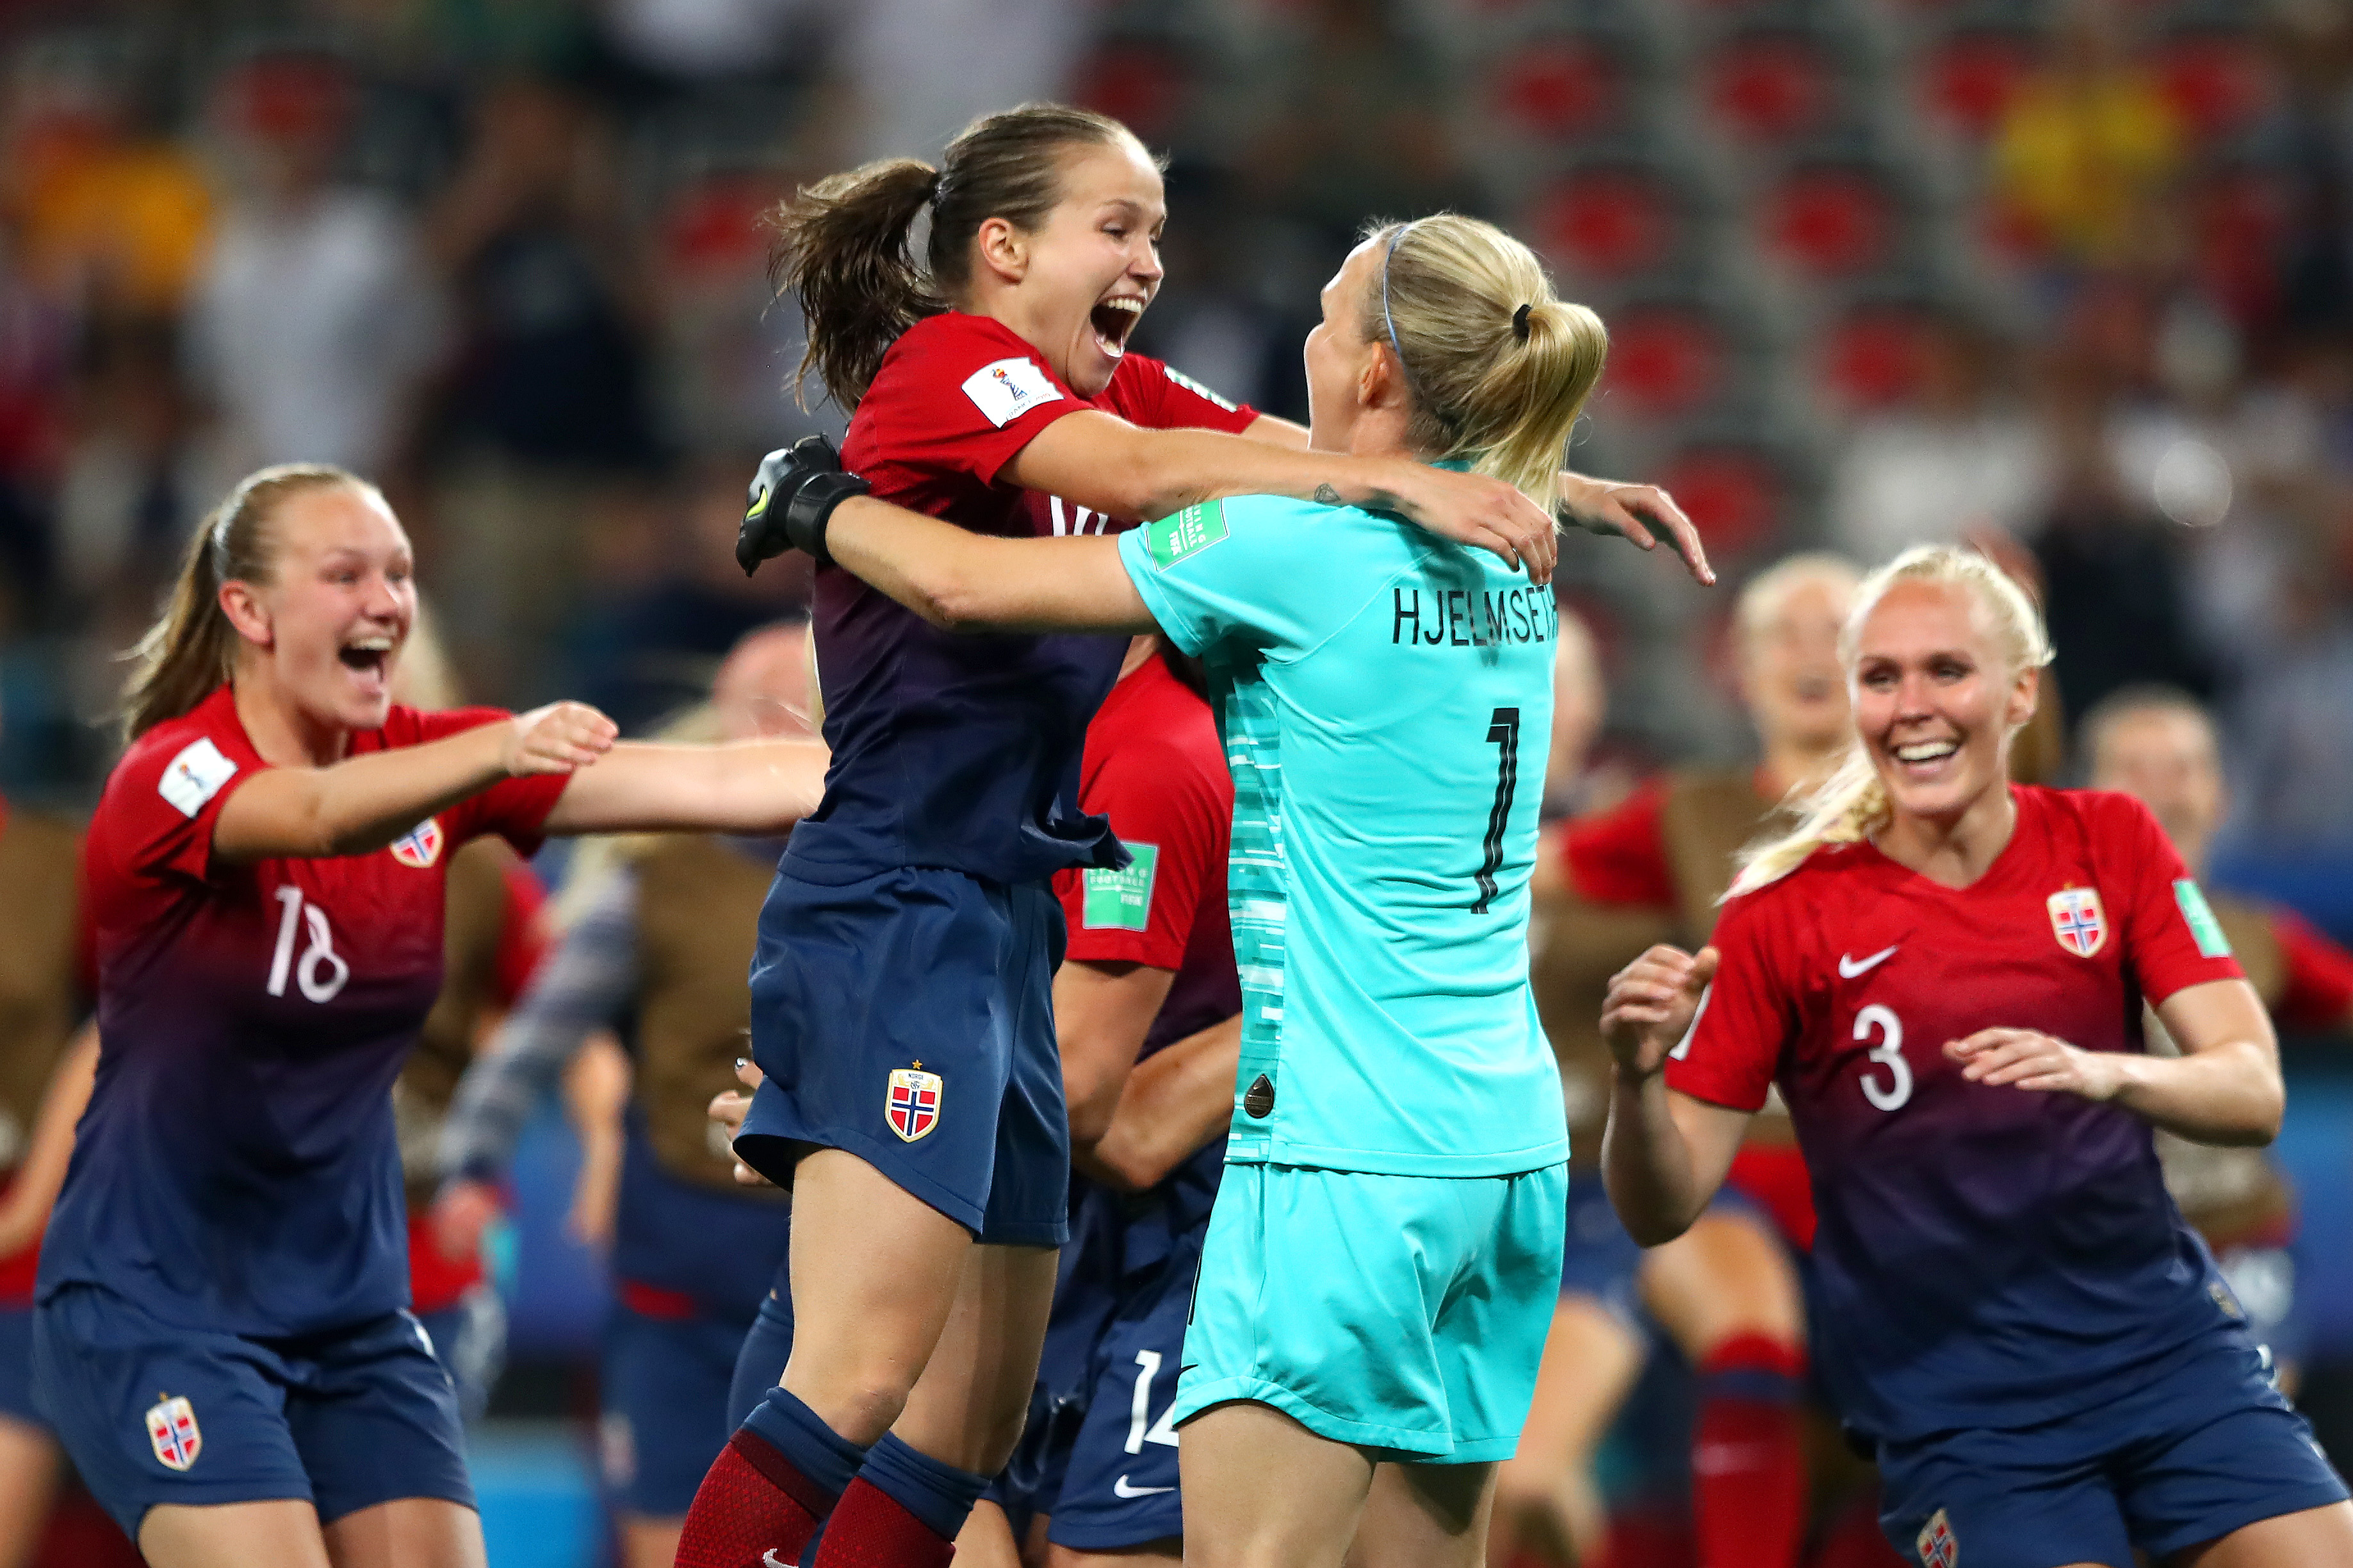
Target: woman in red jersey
x,y
1944,974
901,999
221,1338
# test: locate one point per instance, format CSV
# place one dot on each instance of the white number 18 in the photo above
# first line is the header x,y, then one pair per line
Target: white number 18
x,y
322,971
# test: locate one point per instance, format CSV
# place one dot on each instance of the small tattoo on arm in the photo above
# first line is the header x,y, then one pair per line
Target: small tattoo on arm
x,y
1327,495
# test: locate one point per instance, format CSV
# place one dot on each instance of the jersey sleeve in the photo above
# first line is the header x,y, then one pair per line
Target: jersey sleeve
x,y
963,398
1617,857
1168,817
2320,995
1744,1021
1252,572
515,808
2172,939
158,816
1158,397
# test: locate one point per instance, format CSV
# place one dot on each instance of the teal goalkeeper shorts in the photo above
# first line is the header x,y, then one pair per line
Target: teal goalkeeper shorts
x,y
1406,1313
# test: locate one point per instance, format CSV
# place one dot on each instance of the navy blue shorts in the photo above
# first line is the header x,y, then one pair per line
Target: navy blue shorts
x,y
908,1020
161,1412
759,1359
665,1407
17,1366
1119,1482
2200,1445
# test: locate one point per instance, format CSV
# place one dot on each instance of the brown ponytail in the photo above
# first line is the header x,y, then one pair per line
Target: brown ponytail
x,y
193,648
845,245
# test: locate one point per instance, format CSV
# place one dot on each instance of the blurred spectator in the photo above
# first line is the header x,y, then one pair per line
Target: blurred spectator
x,y
315,316
702,39
2088,146
545,396
922,69
1959,457
2292,770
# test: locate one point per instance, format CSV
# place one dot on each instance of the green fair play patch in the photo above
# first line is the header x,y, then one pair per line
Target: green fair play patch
x,y
1188,532
1122,900
2203,926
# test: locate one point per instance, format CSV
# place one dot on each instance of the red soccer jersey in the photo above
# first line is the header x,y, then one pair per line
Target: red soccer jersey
x,y
2320,995
961,750
1986,1255
237,1167
1153,767
1620,856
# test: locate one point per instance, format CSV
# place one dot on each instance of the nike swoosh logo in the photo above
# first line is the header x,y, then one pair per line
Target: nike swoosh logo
x,y
1120,1489
770,1560
1851,967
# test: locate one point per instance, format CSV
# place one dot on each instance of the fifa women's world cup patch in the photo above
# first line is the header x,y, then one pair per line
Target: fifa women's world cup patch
x,y
1937,1547
2078,921
173,1433
420,845
912,1105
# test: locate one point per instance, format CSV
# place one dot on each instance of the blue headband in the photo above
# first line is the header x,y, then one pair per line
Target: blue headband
x,y
1390,323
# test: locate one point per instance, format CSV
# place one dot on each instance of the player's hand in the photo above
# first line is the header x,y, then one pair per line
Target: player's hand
x,y
1650,1005
1471,509
560,738
462,1212
2025,1058
1639,513
728,1110
789,498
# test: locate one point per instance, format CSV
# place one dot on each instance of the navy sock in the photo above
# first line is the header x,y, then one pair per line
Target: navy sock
x,y
827,1458
940,1495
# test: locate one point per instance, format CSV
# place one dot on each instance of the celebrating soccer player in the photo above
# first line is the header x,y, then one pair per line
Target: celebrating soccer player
x,y
1944,974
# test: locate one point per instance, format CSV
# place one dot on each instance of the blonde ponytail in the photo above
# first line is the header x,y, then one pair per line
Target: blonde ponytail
x,y
191,648
1497,367
1851,803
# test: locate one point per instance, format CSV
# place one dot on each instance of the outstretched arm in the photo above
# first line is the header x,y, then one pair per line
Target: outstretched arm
x,y
751,788
967,581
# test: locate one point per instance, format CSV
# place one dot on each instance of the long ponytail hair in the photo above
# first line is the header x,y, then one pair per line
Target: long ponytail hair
x,y
191,648
845,246
1851,803
1497,368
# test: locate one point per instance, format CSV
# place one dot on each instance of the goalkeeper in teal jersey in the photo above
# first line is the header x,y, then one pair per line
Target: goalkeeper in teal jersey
x,y
1385,1248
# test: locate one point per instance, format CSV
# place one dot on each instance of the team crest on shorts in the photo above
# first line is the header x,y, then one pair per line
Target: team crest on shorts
x,y
1937,1547
2078,921
913,1106
420,845
173,1433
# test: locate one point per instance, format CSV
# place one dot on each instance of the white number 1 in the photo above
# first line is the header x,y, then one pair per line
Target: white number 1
x,y
322,973
1889,1053
1141,1411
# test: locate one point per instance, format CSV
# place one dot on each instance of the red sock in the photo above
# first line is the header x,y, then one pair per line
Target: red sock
x,y
870,1529
751,1503
1748,1469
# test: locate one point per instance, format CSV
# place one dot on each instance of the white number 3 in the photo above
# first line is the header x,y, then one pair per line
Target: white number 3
x,y
322,971
1889,1053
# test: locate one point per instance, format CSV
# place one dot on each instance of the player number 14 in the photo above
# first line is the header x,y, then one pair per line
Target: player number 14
x,y
320,971
1889,1054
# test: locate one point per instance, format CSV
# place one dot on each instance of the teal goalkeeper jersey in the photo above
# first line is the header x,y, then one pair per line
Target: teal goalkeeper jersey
x,y
1385,702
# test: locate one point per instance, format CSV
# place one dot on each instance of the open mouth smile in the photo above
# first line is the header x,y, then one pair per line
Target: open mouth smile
x,y
1113,319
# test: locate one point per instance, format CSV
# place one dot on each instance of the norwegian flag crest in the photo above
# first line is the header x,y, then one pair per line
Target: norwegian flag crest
x,y
913,1104
420,845
2078,921
1937,1547
173,1433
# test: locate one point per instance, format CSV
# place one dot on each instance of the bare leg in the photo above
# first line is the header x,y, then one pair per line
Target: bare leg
x,y
647,1543
966,1408
875,1270
281,1534
1725,1277
407,1532
28,1484
1169,1553
2315,1537
1426,1516
1544,1495
986,1539
1234,1518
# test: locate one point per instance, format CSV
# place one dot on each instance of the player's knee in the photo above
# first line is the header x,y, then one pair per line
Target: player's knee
x,y
999,1438
862,1408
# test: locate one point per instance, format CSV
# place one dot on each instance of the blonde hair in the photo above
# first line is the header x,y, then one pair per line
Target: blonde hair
x,y
1497,368
1851,803
192,647
1765,592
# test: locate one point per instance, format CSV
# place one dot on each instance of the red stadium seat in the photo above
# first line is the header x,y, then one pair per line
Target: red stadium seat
x,y
2217,81
1664,360
1607,222
1830,223
1771,87
1967,80
1557,88
1734,495
1873,357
